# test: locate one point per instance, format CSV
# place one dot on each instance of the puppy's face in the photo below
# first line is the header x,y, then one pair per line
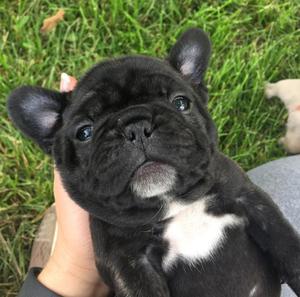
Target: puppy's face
x,y
133,136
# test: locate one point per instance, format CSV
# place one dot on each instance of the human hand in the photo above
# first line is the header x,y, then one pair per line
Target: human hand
x,y
71,269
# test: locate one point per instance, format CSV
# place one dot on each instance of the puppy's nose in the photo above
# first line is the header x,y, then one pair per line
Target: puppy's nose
x,y
138,131
135,123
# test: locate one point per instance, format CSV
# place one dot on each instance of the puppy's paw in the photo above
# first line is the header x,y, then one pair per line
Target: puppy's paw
x,y
270,90
281,141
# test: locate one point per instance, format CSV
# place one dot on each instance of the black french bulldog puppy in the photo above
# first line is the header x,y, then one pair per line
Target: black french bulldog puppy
x,y
170,215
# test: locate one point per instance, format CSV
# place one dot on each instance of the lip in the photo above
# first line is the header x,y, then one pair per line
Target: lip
x,y
149,168
153,178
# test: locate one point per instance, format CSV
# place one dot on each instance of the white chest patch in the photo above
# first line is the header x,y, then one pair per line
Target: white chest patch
x,y
193,234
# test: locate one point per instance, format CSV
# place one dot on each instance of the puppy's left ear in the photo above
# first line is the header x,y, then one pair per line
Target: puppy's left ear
x,y
190,55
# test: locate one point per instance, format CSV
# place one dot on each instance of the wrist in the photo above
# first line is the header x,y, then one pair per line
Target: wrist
x,y
69,280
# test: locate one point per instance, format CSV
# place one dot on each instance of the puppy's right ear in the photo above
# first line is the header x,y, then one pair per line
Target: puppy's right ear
x,y
190,55
37,112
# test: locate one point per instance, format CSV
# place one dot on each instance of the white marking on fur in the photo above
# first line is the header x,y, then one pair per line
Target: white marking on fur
x,y
155,184
253,291
193,234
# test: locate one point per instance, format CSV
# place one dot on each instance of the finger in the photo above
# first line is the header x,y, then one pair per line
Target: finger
x,y
65,206
69,214
67,82
59,191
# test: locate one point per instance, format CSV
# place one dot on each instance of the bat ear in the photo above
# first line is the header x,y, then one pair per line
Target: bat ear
x,y
37,112
190,55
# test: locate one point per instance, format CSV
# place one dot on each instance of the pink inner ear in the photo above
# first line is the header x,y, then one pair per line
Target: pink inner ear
x,y
67,82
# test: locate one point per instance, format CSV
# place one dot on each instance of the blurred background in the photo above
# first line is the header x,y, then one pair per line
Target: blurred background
x,y
253,42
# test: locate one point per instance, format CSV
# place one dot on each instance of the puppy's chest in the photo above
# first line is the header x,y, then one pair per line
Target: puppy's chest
x,y
193,234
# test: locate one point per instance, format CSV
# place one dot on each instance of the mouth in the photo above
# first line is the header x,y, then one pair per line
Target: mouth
x,y
152,179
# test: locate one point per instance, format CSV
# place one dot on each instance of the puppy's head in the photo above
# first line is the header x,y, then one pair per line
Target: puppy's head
x,y
134,134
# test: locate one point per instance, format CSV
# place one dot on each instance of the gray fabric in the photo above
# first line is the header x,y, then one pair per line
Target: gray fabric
x,y
33,288
281,180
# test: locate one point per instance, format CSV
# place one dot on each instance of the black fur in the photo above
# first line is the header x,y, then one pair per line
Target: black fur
x,y
127,101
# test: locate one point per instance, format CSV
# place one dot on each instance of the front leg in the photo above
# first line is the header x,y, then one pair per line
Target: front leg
x,y
135,277
273,233
125,265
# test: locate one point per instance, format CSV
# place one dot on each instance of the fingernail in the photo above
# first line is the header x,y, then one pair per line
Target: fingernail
x,y
64,82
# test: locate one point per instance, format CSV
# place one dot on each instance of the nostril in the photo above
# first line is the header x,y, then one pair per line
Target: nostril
x,y
147,132
132,136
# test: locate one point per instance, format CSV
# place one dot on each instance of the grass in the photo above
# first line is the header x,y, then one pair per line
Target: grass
x,y
253,41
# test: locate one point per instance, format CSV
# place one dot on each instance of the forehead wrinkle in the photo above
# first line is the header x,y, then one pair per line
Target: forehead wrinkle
x,y
155,83
164,76
87,107
111,83
117,69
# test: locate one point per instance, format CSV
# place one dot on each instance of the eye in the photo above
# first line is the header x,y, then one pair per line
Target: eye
x,y
84,133
181,103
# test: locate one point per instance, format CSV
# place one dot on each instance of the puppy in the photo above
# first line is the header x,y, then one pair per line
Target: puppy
x,y
288,90
170,215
